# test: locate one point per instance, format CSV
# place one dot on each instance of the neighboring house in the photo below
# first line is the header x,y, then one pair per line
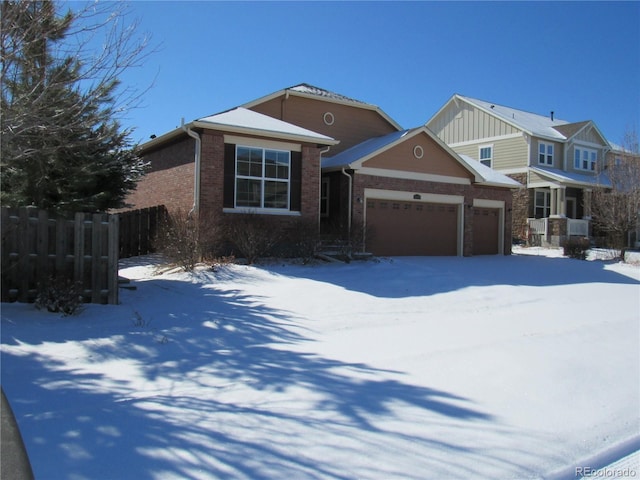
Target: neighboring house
x,y
557,162
627,159
307,152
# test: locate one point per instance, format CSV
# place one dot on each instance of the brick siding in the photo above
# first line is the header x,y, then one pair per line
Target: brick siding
x,y
169,180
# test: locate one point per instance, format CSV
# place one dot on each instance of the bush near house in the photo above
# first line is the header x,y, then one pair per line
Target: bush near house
x,y
576,247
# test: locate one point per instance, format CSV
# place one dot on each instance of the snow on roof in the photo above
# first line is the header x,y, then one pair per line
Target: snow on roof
x,y
349,157
357,152
539,125
321,92
248,119
489,175
572,177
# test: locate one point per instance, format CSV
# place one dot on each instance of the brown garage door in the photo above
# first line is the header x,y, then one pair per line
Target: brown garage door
x,y
486,224
411,228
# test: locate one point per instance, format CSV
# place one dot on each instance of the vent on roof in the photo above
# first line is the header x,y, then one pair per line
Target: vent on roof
x,y
552,115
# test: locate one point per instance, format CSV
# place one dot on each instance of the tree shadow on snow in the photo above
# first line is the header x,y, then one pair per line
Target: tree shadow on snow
x,y
159,397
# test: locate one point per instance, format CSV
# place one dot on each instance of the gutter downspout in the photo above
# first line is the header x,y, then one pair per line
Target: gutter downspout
x,y
196,176
344,172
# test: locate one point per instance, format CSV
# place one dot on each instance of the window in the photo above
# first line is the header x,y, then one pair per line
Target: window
x,y
262,178
542,204
545,153
486,155
324,197
584,159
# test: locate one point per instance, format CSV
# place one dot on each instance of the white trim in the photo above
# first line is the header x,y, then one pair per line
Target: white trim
x,y
545,154
584,143
404,196
482,160
262,143
262,211
264,133
401,174
485,203
418,152
485,140
328,118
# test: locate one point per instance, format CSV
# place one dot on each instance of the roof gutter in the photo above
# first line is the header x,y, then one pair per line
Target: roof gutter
x,y
196,176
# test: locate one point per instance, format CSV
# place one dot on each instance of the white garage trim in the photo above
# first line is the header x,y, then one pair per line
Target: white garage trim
x,y
425,177
379,194
410,196
484,203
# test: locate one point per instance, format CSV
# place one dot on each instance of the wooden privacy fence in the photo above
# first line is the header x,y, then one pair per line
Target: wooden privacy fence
x,y
36,247
138,229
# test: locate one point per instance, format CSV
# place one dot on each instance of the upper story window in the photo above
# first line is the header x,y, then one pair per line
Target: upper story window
x,y
486,155
262,178
545,153
584,158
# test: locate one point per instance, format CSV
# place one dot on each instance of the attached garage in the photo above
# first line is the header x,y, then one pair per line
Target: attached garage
x,y
400,227
416,197
486,229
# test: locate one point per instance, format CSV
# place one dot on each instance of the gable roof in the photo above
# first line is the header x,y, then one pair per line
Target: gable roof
x,y
241,120
531,123
309,91
354,157
570,129
489,175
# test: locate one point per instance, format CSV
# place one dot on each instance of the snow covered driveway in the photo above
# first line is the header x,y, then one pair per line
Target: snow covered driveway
x,y
409,368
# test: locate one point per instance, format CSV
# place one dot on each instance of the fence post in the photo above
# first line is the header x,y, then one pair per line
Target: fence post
x,y
113,255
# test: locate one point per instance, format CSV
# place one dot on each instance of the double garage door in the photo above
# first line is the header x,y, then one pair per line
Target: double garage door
x,y
418,228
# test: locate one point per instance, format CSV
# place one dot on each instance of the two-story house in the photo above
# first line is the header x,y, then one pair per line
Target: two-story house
x,y
556,161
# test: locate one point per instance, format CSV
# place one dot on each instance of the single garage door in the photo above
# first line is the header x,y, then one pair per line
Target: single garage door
x,y
411,228
486,229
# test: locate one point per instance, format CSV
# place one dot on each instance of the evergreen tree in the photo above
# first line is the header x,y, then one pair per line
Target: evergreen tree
x,y
62,147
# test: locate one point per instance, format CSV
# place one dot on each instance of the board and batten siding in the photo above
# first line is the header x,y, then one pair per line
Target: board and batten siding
x,y
589,135
508,153
464,123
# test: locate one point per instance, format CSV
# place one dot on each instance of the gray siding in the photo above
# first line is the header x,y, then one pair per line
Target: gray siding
x,y
508,154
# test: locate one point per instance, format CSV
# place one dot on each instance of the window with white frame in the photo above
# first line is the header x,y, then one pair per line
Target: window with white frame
x,y
542,207
545,153
262,178
584,158
486,155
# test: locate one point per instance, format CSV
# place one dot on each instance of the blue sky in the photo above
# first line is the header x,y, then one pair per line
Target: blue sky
x,y
579,59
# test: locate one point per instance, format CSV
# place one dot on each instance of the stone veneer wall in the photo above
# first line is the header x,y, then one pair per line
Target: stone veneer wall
x,y
520,207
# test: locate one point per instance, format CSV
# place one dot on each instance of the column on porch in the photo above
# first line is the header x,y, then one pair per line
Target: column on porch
x,y
558,202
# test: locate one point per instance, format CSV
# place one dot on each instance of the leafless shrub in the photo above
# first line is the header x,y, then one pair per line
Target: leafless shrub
x,y
59,294
187,239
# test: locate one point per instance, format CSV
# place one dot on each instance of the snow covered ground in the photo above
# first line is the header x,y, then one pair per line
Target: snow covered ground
x,y
515,367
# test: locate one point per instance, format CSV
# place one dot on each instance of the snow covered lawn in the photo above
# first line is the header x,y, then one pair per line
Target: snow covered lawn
x,y
408,368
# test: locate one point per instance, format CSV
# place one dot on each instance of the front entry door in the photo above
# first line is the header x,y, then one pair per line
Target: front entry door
x,y
571,207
